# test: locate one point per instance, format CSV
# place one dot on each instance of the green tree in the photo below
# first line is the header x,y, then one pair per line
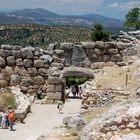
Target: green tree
x,y
99,34
133,19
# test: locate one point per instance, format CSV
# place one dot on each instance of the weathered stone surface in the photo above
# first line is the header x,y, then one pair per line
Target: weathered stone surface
x,y
28,63
66,46
26,53
88,45
43,72
74,121
97,51
79,57
122,45
38,63
52,95
19,62
5,53
54,80
58,88
2,62
16,53
20,71
58,65
39,80
6,47
24,89
113,51
46,59
7,72
59,53
116,58
54,72
15,80
99,44
51,88
27,81
16,47
3,82
32,72
10,60
109,45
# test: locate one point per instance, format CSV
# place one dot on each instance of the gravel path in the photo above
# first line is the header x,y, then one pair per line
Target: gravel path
x,y
42,121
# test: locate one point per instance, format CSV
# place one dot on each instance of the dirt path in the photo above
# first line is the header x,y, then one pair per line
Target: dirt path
x,y
43,120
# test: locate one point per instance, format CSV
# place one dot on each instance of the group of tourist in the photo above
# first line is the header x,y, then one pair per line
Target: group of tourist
x,y
76,91
7,118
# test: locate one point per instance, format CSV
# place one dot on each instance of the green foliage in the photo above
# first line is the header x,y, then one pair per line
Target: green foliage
x,y
133,19
72,80
99,34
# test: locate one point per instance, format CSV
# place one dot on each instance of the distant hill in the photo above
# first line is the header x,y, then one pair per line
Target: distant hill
x,y
42,16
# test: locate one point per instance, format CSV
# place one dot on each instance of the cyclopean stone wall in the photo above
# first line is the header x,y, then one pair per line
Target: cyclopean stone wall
x,y
87,54
31,67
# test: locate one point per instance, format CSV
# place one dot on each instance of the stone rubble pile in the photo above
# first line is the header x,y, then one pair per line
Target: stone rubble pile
x,y
129,37
97,99
123,117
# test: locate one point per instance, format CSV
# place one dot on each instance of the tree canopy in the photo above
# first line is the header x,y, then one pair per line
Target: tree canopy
x,y
133,19
99,34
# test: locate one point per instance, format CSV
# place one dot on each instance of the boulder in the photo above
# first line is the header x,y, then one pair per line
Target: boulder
x,y
28,63
20,71
7,72
88,45
38,63
2,62
15,80
99,45
24,89
16,53
6,47
19,62
54,80
32,72
46,59
26,53
10,60
5,53
54,72
58,65
66,46
109,45
74,121
27,81
43,72
113,51
39,80
16,47
3,82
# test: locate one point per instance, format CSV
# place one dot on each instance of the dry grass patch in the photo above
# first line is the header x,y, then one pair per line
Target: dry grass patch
x,y
7,99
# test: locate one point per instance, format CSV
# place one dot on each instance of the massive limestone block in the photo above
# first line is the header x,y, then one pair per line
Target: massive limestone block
x,y
6,47
15,80
52,95
116,58
16,53
51,88
2,62
19,62
122,45
32,72
88,45
27,81
46,59
58,88
3,82
79,57
5,53
10,60
38,63
54,80
16,47
43,72
20,71
7,72
39,80
28,63
66,46
58,65
109,45
100,45
113,51
26,53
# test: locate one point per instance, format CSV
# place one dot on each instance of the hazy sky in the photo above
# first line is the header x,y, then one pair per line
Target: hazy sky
x,y
110,8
